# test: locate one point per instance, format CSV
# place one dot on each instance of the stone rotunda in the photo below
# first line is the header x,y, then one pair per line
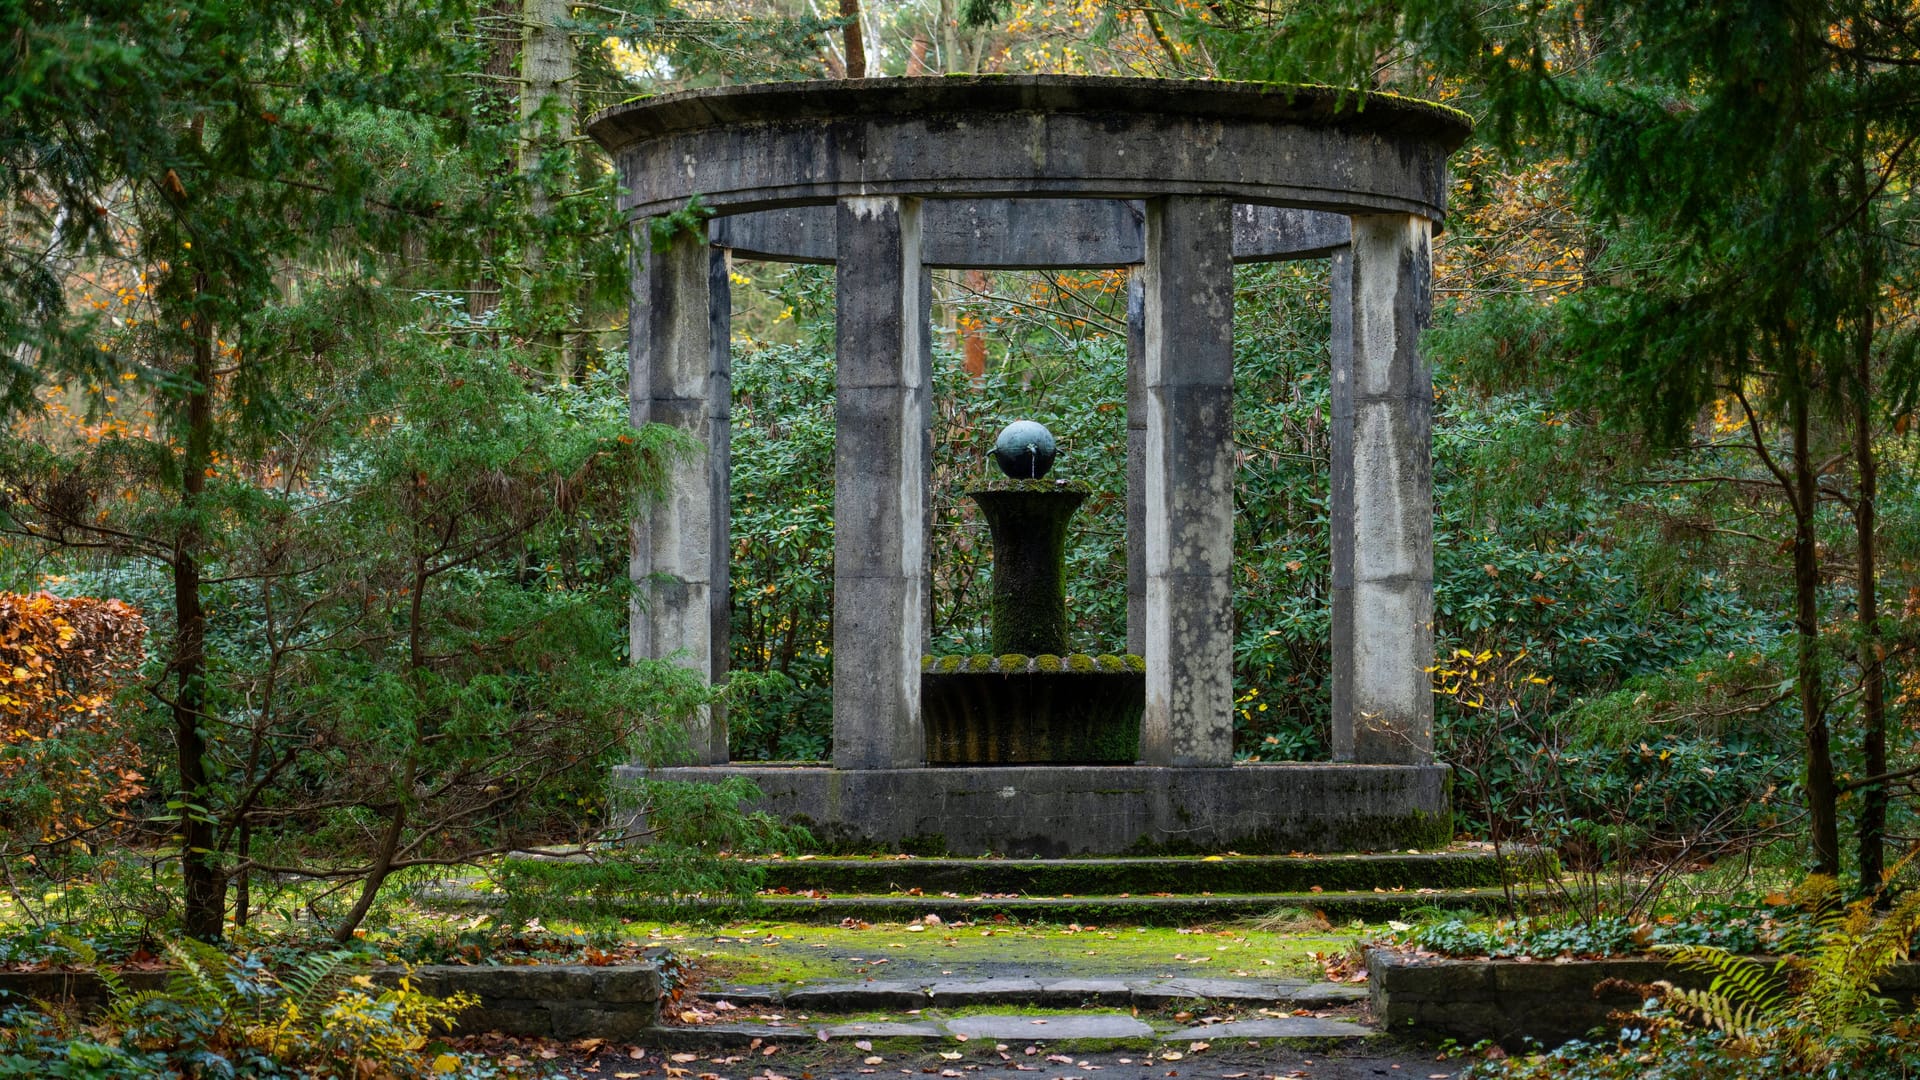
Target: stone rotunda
x,y
887,179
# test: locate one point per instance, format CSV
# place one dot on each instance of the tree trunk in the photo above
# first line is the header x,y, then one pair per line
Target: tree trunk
x,y
377,872
1822,798
950,56
855,46
1873,681
546,124
1872,827
496,103
205,898
382,863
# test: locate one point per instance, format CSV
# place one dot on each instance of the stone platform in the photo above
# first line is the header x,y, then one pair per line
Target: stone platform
x,y
1056,811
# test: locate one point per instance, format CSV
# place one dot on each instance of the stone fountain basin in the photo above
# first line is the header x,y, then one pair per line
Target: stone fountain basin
x,y
1040,710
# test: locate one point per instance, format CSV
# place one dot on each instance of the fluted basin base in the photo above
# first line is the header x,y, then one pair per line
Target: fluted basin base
x,y
1044,710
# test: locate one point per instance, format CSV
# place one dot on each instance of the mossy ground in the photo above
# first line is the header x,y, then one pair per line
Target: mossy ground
x,y
793,953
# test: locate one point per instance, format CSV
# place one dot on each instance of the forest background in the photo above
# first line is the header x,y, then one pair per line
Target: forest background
x,y
313,320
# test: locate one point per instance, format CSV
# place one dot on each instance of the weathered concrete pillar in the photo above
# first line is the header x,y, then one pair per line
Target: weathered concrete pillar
x,y
720,474
670,358
1188,387
880,474
1382,496
1136,464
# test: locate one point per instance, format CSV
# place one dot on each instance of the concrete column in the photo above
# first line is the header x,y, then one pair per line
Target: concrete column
x,y
880,473
670,356
1136,465
1188,386
1382,497
720,475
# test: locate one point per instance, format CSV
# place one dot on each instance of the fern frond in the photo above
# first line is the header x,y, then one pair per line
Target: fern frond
x,y
1745,994
1707,1007
127,1008
315,981
199,973
84,952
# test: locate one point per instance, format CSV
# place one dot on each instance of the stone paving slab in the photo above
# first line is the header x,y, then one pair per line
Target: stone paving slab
x,y
864,996
954,992
1320,995
746,995
1159,992
885,1029
1085,991
1037,1028
726,1035
1279,1027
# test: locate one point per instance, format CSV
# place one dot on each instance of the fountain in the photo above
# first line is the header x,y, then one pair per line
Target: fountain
x,y
1030,701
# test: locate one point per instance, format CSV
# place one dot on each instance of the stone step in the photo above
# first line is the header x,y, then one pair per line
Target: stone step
x,y
1455,868
1172,910
883,995
985,1033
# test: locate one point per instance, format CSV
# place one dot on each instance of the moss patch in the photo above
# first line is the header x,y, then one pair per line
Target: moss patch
x,y
756,953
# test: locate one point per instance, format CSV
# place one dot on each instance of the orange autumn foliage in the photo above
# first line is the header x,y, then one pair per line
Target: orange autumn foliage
x,y
64,757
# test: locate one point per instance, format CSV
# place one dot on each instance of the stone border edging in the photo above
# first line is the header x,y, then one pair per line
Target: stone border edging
x,y
1511,1001
562,1000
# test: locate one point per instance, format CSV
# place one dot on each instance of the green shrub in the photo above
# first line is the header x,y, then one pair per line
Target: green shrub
x,y
225,1015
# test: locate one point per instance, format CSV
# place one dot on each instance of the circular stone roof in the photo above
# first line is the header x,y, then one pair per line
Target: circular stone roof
x,y
763,146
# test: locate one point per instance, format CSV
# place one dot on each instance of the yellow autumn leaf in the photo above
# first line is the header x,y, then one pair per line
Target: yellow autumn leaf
x,y
446,1063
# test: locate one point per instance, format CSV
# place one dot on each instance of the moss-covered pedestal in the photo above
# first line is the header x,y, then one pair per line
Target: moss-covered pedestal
x,y
1028,522
1042,710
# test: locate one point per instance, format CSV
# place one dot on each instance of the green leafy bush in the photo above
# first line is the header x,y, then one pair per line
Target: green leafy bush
x,y
221,1014
1816,1011
695,835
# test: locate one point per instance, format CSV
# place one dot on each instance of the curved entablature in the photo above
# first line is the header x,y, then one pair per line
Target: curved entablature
x,y
769,146
1029,234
